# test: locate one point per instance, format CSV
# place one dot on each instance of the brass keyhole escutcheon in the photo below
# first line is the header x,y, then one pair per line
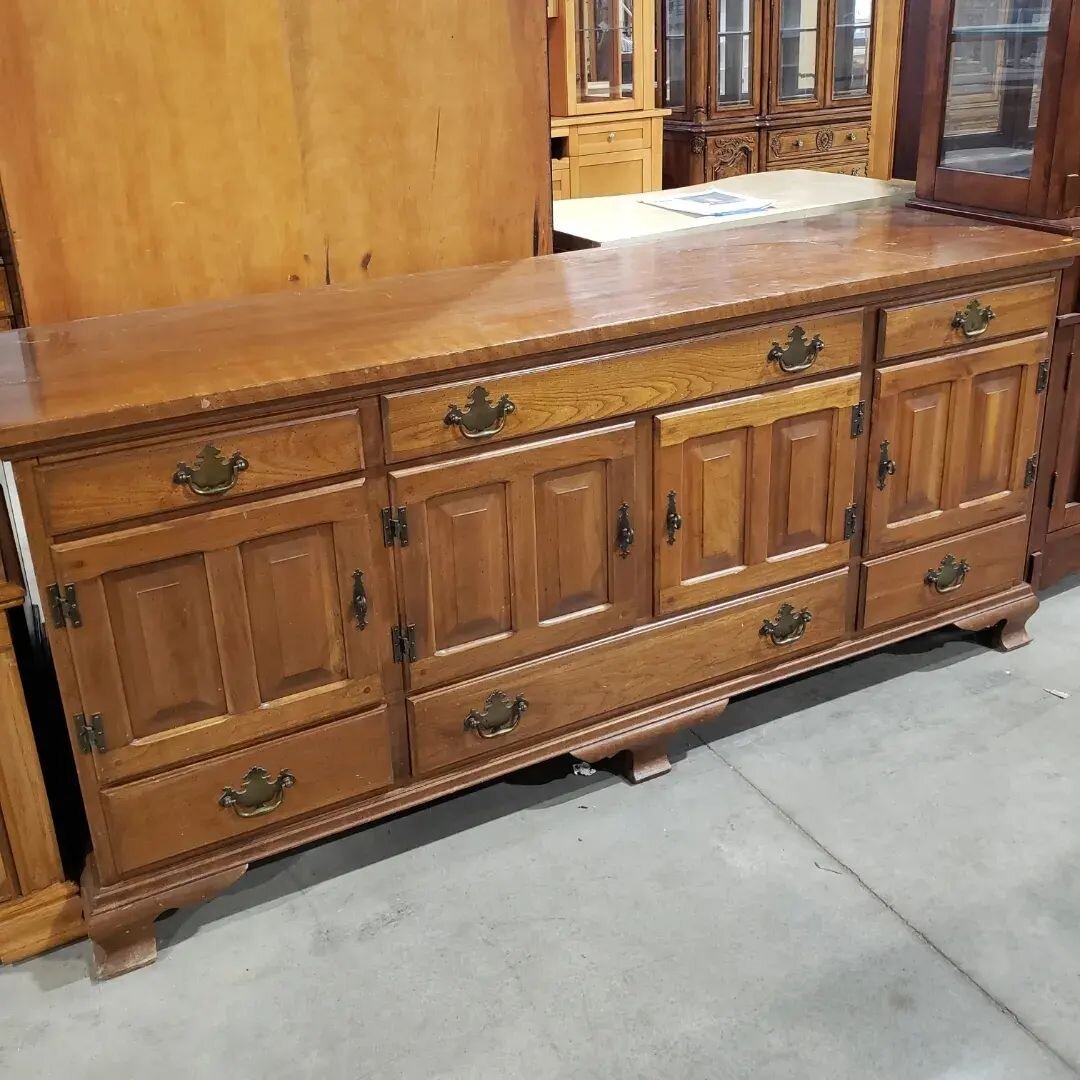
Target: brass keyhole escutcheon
x,y
673,520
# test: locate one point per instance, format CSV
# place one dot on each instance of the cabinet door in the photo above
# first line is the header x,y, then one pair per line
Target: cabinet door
x,y
1065,510
516,551
851,37
799,49
734,45
762,486
209,632
951,441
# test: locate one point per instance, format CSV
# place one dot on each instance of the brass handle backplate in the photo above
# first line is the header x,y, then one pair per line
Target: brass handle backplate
x,y
799,354
500,716
788,626
359,599
624,531
258,794
886,467
212,473
480,419
973,320
673,520
949,576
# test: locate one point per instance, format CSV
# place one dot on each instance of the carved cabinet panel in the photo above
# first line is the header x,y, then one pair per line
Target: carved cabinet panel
x,y
952,442
754,492
205,633
731,155
517,551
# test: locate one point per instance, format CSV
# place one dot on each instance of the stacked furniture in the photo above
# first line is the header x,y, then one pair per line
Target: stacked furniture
x,y
312,564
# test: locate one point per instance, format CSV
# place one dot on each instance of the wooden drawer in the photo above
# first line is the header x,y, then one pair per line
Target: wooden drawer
x,y
858,165
605,678
904,585
808,142
930,326
606,386
560,179
121,485
625,172
165,816
605,138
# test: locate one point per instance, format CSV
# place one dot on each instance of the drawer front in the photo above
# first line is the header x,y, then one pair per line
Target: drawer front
x,y
845,166
560,181
944,574
808,142
604,138
964,318
419,422
498,712
624,172
174,813
144,480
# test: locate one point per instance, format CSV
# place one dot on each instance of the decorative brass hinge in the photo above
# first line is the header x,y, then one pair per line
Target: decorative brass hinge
x,y
850,515
64,606
90,734
395,529
403,642
858,419
1031,470
1042,381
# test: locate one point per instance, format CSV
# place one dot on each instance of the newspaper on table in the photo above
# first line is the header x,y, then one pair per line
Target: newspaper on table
x,y
715,202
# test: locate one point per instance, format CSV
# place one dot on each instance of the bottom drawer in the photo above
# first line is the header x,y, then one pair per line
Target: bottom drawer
x,y
627,172
944,574
159,818
494,713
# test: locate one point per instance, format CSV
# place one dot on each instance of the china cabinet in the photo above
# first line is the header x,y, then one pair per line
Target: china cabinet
x,y
765,84
606,133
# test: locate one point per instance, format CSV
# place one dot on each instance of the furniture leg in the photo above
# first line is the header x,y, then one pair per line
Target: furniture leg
x,y
640,763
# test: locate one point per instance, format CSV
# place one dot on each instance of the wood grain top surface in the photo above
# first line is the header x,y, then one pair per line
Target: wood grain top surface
x,y
96,375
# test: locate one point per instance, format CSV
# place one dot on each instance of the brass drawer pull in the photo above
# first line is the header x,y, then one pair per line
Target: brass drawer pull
x,y
852,136
673,521
500,716
359,599
258,794
949,576
481,419
973,320
788,626
886,467
799,354
624,531
213,473
611,136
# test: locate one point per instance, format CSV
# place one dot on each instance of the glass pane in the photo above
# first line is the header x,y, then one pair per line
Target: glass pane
x,y
605,50
854,22
997,51
734,52
798,49
674,14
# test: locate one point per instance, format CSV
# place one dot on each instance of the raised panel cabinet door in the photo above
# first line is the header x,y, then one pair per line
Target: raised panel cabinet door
x,y
202,634
952,442
521,550
754,492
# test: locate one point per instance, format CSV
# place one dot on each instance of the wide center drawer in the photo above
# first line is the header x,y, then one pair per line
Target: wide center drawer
x,y
196,471
808,142
157,819
454,415
498,712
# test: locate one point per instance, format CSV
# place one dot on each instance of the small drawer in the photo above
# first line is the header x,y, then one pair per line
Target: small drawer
x,y
560,179
808,142
169,815
499,712
196,471
974,318
945,574
502,407
604,138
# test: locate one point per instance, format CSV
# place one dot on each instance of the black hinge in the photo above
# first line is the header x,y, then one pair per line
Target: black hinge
x,y
395,529
1031,469
64,606
403,642
1043,379
1053,488
850,514
91,735
858,419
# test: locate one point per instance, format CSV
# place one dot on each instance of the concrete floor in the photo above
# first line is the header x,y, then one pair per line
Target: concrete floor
x,y
882,881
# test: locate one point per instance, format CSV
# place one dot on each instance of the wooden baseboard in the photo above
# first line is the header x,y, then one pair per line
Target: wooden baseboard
x,y
43,920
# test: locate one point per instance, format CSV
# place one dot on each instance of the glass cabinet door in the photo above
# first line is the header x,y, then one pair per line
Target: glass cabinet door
x,y
798,76
605,50
733,78
851,48
673,35
997,52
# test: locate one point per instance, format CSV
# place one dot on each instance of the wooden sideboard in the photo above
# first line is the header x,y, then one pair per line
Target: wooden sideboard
x,y
314,559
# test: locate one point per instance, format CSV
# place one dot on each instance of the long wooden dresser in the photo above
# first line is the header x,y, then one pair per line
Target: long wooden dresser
x,y
311,560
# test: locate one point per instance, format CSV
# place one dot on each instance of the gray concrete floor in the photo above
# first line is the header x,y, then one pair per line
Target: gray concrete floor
x,y
881,881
